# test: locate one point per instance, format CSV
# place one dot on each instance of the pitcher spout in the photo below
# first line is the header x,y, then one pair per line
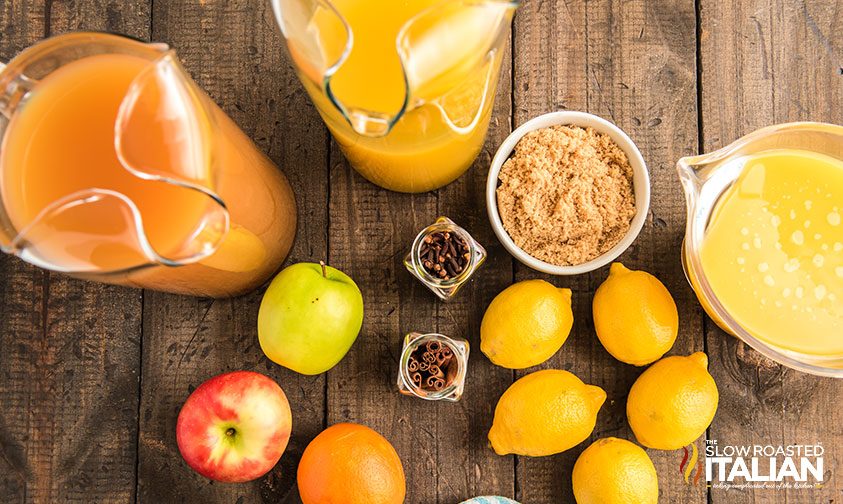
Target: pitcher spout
x,y
689,173
15,84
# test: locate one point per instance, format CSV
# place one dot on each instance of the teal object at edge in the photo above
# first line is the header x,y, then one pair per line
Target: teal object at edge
x,y
489,500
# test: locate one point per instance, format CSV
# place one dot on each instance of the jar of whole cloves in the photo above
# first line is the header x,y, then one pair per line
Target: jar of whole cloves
x,y
444,256
433,366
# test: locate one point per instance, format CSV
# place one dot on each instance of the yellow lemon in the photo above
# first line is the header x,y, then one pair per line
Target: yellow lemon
x,y
673,402
615,471
545,412
635,317
526,324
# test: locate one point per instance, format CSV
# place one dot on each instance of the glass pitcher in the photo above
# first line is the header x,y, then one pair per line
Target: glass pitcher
x,y
116,167
763,246
406,88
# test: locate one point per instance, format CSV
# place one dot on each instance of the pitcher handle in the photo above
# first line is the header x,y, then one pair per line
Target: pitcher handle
x,y
436,78
484,98
319,56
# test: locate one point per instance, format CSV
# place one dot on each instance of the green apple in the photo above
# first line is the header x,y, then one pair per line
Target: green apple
x,y
309,317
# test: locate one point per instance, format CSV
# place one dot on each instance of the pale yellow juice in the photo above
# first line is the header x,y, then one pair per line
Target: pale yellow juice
x,y
773,251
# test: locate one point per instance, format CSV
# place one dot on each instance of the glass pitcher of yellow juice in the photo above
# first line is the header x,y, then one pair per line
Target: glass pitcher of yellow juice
x,y
116,167
405,86
764,241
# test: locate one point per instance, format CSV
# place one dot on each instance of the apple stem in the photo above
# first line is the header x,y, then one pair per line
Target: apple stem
x,y
324,269
230,432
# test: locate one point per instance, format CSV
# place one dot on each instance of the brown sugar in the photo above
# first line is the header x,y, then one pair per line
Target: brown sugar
x,y
566,194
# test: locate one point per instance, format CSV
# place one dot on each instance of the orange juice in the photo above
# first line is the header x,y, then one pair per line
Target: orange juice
x,y
448,80
773,250
61,142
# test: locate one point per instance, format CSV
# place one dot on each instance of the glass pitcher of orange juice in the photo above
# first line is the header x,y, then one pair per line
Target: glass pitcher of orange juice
x,y
763,246
116,167
406,87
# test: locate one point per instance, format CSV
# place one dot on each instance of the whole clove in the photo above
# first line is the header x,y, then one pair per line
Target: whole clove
x,y
444,255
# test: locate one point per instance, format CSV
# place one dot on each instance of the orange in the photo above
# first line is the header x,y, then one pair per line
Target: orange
x,y
351,464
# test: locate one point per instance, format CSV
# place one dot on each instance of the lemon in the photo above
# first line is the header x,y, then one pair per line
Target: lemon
x,y
635,317
526,324
615,471
673,402
545,412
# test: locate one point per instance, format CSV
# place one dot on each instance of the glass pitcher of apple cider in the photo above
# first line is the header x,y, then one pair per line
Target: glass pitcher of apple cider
x,y
115,166
763,246
406,87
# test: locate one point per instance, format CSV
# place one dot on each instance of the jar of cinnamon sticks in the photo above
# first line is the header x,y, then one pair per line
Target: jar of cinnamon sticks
x,y
433,366
444,256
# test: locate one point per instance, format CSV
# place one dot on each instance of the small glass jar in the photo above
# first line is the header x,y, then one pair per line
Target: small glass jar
x,y
445,289
452,375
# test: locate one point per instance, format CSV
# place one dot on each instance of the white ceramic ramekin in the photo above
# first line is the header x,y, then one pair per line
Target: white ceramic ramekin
x,y
640,182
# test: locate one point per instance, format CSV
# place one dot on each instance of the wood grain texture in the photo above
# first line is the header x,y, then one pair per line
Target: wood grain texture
x,y
765,63
68,428
21,314
550,74
470,466
369,235
443,445
234,51
633,64
75,420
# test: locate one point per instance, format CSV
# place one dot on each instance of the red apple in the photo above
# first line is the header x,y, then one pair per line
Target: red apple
x,y
234,427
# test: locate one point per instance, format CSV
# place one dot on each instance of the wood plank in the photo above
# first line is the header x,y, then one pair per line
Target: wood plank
x,y
472,468
632,63
443,445
765,63
550,74
234,50
371,230
71,349
22,293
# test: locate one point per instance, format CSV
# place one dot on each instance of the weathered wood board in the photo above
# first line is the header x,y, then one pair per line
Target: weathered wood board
x,y
92,377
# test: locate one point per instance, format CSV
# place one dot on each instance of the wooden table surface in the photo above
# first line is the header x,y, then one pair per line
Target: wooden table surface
x,y
92,377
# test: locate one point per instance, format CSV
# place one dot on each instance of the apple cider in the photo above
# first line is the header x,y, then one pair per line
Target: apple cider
x,y
115,168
